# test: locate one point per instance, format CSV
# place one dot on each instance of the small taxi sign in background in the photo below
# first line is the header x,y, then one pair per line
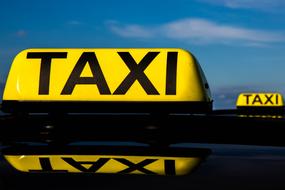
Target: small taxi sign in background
x,y
260,100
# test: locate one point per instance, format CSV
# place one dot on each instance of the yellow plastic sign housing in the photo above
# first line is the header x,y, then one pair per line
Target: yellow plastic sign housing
x,y
128,161
260,100
106,80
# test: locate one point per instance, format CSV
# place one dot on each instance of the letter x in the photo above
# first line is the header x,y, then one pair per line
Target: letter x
x,y
137,73
139,166
268,99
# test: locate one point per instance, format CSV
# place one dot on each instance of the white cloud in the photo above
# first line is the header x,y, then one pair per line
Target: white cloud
x,y
199,31
247,4
131,30
209,31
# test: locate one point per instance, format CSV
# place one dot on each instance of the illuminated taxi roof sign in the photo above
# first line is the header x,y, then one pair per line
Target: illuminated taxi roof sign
x,y
70,76
260,100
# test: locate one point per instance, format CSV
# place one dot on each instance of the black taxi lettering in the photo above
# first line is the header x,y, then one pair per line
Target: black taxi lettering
x,y
97,78
133,167
46,165
94,165
257,99
269,99
136,73
46,58
171,72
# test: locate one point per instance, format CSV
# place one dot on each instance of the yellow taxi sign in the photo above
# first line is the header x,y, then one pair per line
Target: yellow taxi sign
x,y
151,165
105,75
260,100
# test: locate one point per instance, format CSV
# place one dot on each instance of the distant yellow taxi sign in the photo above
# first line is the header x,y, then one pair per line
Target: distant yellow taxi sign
x,y
153,165
106,75
260,100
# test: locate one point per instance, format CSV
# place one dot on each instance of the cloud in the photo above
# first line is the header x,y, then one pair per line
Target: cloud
x,y
200,31
130,31
248,4
210,31
21,33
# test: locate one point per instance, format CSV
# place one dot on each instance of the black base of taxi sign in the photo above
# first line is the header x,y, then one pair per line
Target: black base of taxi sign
x,y
105,159
106,107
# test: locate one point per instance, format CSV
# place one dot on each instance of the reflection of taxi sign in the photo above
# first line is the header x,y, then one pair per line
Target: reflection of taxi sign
x,y
119,160
260,100
104,76
105,164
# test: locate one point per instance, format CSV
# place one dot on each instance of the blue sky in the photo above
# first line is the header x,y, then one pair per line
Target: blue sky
x,y
240,43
